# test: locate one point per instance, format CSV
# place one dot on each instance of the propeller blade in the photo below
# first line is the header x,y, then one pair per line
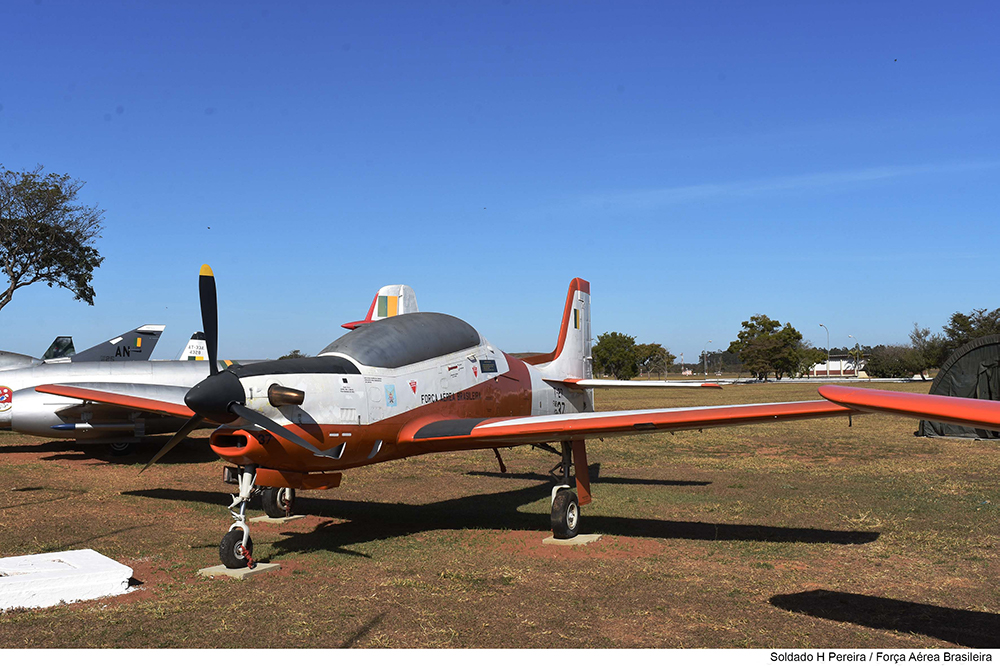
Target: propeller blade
x,y
185,430
262,421
209,316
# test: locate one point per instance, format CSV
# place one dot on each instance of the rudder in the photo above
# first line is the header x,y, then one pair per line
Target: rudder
x,y
571,357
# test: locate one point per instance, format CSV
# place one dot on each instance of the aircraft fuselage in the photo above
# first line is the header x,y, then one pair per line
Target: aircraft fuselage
x,y
376,413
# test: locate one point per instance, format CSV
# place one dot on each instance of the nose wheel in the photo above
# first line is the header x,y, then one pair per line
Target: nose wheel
x,y
234,553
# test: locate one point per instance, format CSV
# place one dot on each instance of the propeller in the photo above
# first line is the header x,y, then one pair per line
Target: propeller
x,y
209,316
220,396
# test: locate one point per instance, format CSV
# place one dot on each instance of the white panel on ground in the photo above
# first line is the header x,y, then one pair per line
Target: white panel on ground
x,y
37,581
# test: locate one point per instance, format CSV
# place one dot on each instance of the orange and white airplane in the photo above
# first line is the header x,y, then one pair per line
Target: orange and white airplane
x,y
406,385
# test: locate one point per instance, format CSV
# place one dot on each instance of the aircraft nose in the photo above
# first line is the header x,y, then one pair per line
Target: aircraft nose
x,y
212,396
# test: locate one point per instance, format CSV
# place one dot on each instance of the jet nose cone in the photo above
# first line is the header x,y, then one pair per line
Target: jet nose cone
x,y
212,396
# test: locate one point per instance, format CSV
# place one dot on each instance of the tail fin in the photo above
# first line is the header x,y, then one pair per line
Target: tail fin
x,y
60,347
196,349
136,345
389,301
571,358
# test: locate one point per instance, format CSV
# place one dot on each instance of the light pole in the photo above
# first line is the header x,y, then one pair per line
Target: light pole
x,y
704,356
827,350
861,355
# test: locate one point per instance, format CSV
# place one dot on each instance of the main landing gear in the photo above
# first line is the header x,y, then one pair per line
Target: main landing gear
x,y
278,502
565,502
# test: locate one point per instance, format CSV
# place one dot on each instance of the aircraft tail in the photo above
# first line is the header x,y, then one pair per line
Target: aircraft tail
x,y
389,301
136,345
196,349
61,347
571,357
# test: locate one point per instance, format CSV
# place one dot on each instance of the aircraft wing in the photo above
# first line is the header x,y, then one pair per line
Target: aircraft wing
x,y
156,398
623,383
948,409
562,427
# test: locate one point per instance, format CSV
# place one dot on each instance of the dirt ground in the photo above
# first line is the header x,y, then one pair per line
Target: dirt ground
x,y
806,534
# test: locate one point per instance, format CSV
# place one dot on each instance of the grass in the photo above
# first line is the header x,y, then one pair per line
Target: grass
x,y
802,534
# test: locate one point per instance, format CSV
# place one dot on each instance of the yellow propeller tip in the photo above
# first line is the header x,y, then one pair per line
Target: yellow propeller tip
x,y
206,271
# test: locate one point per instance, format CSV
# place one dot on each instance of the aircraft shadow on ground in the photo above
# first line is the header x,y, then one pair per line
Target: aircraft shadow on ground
x,y
188,452
973,629
373,521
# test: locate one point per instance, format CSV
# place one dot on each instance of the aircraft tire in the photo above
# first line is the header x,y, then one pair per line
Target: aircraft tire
x,y
229,550
565,515
120,448
275,501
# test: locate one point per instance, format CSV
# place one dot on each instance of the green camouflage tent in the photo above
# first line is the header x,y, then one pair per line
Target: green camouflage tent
x,y
973,371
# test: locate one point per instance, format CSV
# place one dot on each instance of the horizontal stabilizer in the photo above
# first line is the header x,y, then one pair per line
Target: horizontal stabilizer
x,y
623,383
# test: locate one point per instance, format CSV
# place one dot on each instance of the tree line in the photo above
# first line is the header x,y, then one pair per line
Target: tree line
x,y
930,350
766,347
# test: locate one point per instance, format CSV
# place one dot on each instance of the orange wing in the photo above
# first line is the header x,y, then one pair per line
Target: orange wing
x,y
561,427
960,411
137,402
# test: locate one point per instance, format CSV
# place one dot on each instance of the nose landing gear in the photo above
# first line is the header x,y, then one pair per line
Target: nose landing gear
x,y
236,548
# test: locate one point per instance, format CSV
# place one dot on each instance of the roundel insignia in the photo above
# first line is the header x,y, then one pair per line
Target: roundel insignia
x,y
6,398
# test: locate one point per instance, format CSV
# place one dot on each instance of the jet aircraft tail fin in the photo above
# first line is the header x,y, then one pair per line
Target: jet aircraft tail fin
x,y
389,301
61,347
136,345
571,357
196,349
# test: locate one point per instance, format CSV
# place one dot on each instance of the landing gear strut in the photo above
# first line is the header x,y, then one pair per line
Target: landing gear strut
x,y
236,548
565,503
278,502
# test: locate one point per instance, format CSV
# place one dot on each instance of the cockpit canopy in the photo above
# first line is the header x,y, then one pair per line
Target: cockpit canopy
x,y
405,339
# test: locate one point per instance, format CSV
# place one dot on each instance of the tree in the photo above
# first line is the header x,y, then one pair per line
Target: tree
x,y
808,357
46,236
614,354
927,351
857,355
963,328
653,357
755,345
295,353
764,346
892,361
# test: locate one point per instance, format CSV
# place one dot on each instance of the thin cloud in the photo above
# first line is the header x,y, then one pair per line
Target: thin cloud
x,y
659,197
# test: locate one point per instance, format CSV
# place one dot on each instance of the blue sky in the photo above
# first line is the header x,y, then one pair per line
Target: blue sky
x,y
697,162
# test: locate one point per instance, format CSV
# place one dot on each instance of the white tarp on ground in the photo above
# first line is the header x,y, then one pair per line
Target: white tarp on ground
x,y
37,581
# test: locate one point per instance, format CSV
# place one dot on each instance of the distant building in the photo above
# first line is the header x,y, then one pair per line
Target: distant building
x,y
840,366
